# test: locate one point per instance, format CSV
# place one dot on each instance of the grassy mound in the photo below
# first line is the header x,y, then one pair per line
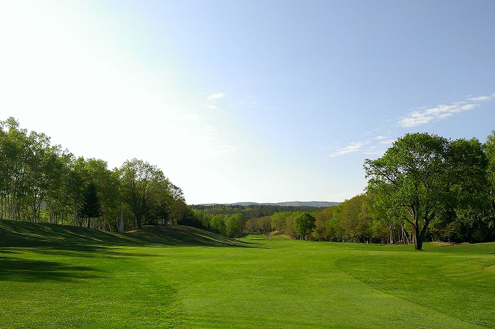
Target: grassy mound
x,y
15,233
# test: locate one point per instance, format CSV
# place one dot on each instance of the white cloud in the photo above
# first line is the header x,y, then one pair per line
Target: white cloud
x,y
215,96
441,111
351,148
374,151
387,142
482,98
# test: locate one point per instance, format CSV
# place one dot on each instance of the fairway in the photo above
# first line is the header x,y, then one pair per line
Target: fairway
x,y
90,279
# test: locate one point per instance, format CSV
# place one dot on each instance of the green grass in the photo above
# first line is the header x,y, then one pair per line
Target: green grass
x,y
178,277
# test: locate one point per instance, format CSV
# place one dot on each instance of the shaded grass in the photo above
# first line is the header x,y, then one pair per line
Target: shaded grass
x,y
15,233
26,270
185,280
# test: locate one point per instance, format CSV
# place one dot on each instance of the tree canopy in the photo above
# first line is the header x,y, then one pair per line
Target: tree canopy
x,y
421,176
90,207
304,224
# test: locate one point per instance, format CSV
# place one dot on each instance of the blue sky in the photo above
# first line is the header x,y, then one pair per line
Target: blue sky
x,y
261,101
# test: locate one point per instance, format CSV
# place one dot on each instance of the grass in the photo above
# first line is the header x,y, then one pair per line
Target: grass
x,y
178,277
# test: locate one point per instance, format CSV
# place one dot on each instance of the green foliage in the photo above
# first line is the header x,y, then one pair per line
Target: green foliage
x,y
304,224
41,182
422,176
252,211
234,225
90,207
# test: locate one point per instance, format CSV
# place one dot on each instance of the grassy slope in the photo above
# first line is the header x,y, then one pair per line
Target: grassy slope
x,y
181,277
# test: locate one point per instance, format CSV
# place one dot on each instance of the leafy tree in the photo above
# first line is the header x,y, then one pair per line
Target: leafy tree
x,y
142,185
490,153
304,224
234,225
217,224
421,176
321,231
90,207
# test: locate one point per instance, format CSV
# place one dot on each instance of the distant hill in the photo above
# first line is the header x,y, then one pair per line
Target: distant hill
x,y
316,204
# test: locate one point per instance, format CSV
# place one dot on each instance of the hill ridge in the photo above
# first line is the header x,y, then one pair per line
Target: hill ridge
x,y
18,233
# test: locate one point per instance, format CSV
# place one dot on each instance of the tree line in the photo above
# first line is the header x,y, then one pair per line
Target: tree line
x,y
251,211
41,182
424,188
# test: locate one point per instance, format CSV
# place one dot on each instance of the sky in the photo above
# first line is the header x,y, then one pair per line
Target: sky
x,y
248,100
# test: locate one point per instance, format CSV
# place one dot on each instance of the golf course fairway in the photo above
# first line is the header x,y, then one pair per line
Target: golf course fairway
x,y
54,276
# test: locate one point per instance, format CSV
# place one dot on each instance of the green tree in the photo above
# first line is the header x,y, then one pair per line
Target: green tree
x,y
217,224
321,231
490,153
234,225
142,184
421,175
90,207
304,224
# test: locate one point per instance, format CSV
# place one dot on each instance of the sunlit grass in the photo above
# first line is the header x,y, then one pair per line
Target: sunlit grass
x,y
255,283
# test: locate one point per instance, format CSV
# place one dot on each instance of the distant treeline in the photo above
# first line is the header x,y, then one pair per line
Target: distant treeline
x,y
252,211
355,221
424,188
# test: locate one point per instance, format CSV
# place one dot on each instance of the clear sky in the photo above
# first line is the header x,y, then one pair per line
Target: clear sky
x,y
249,100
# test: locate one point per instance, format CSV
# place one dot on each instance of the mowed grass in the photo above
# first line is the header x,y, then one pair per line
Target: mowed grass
x,y
61,276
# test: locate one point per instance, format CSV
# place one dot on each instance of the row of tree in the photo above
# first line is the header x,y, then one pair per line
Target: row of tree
x,y
41,182
424,187
225,224
251,211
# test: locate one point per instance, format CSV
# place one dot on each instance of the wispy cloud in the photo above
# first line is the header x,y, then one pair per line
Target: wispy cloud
x,y
387,141
249,101
351,148
482,98
212,99
215,96
441,111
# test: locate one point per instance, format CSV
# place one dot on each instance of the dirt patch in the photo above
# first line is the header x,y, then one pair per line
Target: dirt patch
x,y
447,244
443,244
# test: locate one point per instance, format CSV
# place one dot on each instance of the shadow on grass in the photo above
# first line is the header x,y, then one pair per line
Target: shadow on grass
x,y
28,270
62,240
79,239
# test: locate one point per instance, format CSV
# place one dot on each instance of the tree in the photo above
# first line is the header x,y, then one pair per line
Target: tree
x,y
90,207
490,153
321,229
142,184
217,224
422,175
234,225
304,224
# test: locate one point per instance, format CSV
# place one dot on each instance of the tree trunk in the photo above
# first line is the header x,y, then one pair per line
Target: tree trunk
x,y
418,241
139,222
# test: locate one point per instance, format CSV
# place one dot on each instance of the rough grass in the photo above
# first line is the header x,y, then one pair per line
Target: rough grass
x,y
178,277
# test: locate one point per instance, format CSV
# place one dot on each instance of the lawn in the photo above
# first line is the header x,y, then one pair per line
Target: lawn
x,y
62,276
